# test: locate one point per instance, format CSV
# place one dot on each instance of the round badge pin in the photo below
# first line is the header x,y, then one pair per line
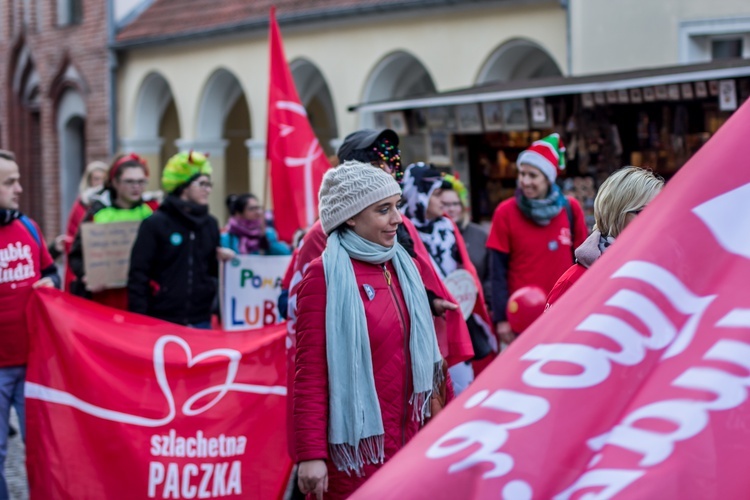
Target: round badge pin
x,y
552,245
175,239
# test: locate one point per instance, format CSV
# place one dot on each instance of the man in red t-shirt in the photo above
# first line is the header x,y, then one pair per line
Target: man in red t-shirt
x,y
25,264
533,234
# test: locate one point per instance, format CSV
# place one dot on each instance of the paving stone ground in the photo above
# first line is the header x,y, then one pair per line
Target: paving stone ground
x,y
15,468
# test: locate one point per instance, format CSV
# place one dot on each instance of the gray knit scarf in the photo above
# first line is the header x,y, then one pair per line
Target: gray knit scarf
x,y
541,212
355,424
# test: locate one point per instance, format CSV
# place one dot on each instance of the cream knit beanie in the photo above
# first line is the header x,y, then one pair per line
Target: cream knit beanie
x,y
350,188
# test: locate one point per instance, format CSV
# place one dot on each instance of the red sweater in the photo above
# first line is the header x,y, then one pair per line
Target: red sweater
x,y
22,260
388,328
538,255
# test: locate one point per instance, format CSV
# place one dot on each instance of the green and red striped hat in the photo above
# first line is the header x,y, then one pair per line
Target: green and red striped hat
x,y
548,155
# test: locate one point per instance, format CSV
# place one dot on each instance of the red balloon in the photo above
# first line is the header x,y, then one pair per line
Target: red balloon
x,y
524,307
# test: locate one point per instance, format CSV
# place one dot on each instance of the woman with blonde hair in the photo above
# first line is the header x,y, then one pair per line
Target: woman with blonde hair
x,y
92,181
620,199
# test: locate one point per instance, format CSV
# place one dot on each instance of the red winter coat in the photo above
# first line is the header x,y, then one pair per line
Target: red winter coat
x,y
77,213
573,274
388,327
452,333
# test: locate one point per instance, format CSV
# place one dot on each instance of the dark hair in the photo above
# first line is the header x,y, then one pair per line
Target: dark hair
x,y
123,161
7,155
363,155
236,203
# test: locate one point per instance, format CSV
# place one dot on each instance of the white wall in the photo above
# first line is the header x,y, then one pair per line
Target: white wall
x,y
452,46
619,35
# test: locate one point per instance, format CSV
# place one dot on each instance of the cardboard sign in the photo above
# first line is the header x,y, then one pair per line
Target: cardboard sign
x,y
250,289
106,253
461,285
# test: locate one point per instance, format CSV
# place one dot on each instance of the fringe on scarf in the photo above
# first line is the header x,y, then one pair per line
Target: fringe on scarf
x,y
420,401
347,458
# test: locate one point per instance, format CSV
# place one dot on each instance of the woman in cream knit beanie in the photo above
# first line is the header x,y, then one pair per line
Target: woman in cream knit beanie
x,y
350,188
358,306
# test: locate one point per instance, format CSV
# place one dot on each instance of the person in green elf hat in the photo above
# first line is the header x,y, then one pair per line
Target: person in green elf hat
x,y
174,264
533,234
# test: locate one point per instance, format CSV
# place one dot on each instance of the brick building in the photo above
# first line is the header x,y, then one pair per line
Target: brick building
x,y
54,98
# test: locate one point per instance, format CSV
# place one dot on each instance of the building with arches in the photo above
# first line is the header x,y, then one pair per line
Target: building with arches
x,y
175,80
214,66
55,99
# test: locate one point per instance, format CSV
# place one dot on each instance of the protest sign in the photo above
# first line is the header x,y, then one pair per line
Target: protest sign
x,y
250,289
106,253
463,288
124,406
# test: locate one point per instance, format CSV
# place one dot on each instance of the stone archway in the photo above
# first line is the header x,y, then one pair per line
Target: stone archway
x,y
222,129
316,97
71,133
156,125
24,137
397,76
517,59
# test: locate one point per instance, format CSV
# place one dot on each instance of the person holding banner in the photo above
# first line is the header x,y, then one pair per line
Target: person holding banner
x,y
120,201
423,186
368,364
174,264
25,264
533,234
247,233
620,199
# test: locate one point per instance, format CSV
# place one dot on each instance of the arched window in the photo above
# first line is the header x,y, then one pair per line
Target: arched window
x,y
69,12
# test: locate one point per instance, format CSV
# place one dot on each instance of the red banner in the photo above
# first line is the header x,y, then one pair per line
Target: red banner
x,y
122,406
296,158
633,385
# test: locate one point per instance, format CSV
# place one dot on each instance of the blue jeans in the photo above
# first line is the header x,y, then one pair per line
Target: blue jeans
x,y
11,393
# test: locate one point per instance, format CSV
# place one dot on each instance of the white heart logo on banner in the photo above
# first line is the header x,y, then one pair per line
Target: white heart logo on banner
x,y
48,394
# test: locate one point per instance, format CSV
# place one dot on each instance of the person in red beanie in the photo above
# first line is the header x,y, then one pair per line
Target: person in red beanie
x,y
534,233
121,201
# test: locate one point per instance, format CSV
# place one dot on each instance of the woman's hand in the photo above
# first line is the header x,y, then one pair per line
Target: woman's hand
x,y
225,254
61,241
44,283
442,305
505,333
312,477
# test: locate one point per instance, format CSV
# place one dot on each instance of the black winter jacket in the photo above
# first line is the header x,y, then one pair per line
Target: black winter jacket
x,y
173,266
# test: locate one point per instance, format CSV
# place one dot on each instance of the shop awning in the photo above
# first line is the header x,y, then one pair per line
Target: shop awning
x,y
542,87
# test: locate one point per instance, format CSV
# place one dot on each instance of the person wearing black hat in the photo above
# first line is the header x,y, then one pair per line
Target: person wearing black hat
x,y
377,147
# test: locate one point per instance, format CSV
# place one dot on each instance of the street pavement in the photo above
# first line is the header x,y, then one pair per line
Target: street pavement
x,y
15,468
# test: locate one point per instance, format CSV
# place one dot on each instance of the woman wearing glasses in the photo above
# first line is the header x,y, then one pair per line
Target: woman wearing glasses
x,y
247,232
620,199
120,201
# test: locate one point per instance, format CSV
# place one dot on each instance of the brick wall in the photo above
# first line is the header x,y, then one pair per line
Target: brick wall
x,y
51,48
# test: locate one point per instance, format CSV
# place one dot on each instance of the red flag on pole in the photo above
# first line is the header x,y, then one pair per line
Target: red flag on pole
x,y
635,384
297,161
